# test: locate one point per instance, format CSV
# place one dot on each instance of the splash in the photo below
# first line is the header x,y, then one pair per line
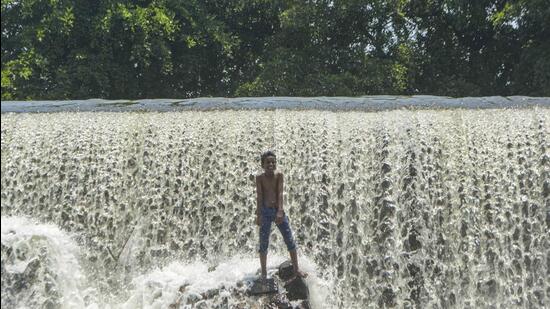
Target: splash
x,y
202,286
40,267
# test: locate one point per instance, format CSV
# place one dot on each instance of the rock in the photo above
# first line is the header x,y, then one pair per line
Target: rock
x,y
297,289
260,287
210,293
280,302
286,271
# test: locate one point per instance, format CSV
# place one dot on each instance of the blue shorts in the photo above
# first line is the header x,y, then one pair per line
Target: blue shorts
x,y
268,215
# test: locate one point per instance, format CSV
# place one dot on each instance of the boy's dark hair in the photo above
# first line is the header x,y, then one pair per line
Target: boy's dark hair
x,y
266,154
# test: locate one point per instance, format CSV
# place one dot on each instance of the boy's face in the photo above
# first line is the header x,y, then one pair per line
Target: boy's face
x,y
270,164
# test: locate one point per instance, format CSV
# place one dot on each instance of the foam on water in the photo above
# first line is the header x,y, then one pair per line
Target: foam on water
x,y
190,284
229,281
43,259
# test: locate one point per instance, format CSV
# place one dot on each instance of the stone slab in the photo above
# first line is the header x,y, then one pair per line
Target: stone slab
x,y
364,103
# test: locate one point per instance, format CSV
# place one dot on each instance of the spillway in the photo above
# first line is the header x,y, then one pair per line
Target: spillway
x,y
407,208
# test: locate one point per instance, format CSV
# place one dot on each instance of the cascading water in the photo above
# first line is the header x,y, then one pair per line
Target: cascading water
x,y
43,253
446,208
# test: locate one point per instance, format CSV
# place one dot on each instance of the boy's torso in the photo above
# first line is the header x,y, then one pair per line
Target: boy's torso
x,y
269,189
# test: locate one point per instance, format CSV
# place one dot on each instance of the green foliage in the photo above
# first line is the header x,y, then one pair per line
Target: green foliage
x,y
62,49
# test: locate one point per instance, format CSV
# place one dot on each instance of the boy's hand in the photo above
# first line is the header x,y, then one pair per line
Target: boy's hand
x,y
280,216
258,220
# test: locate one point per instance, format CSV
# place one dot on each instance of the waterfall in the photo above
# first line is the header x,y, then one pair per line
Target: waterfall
x,y
406,208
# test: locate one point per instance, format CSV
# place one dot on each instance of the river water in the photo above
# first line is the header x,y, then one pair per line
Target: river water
x,y
401,208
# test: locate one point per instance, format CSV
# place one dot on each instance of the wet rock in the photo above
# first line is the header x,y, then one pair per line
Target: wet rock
x,y
260,287
210,293
280,302
297,289
286,270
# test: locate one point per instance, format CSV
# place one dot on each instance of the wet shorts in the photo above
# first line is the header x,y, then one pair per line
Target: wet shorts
x,y
268,216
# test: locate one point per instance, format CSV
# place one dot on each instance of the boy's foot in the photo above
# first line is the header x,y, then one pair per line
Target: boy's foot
x,y
298,274
301,274
264,288
262,280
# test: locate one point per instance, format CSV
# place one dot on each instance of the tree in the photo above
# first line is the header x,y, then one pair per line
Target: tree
x,y
130,49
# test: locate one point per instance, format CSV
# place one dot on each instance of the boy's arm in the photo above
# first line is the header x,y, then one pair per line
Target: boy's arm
x,y
259,195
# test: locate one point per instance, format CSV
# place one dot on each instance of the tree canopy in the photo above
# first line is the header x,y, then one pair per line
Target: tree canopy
x,y
78,49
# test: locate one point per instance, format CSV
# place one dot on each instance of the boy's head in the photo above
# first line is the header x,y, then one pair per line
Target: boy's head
x,y
269,160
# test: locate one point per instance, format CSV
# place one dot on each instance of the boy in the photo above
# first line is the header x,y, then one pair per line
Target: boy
x,y
269,202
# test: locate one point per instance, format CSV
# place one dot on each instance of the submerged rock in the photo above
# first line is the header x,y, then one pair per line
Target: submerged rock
x,y
265,286
281,289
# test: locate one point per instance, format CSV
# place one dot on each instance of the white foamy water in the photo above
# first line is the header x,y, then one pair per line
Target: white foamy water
x,y
41,263
432,209
203,286
56,257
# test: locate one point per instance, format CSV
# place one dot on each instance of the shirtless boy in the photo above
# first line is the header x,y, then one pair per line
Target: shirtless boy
x,y
269,201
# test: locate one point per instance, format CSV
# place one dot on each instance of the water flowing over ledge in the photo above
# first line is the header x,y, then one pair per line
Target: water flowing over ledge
x,y
364,103
403,208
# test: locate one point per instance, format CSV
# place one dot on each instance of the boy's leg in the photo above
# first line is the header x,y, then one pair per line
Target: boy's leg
x,y
294,259
263,260
265,231
285,230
